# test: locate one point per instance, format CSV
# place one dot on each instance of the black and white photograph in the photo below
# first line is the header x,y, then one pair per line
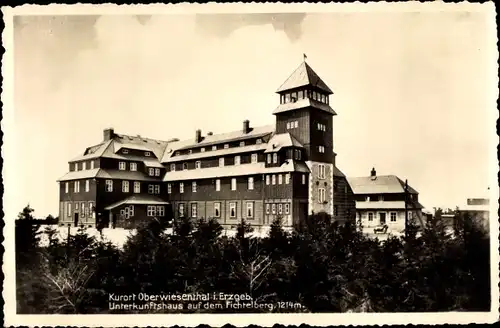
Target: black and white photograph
x,y
250,164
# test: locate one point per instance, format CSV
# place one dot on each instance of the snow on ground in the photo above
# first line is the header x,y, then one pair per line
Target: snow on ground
x,y
118,236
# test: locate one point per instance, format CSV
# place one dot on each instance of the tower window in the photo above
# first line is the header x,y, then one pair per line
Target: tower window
x,y
321,149
301,94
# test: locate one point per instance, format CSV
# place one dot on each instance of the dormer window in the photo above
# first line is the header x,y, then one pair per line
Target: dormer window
x,y
184,166
221,161
275,158
301,94
125,151
121,166
172,167
214,147
202,149
133,166
147,154
226,146
151,172
242,144
259,141
190,151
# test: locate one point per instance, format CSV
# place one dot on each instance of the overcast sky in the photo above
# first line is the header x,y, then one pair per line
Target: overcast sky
x,y
412,90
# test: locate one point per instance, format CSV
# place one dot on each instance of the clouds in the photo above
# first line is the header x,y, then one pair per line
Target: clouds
x,y
404,88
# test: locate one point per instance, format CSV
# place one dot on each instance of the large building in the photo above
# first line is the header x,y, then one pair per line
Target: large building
x,y
381,201
256,173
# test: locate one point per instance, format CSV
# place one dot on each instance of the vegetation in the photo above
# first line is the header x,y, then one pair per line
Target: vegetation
x,y
320,266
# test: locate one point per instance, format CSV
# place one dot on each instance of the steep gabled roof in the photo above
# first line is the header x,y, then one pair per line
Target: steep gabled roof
x,y
281,140
303,76
380,184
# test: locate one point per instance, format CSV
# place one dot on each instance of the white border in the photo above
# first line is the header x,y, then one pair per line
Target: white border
x,y
235,319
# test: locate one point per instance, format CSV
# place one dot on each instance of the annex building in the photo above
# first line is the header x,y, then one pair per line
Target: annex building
x,y
285,169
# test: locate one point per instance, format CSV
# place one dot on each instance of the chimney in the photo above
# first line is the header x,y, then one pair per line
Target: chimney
x,y
246,126
197,137
373,174
108,134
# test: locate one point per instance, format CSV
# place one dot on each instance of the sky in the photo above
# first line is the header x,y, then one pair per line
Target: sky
x,y
413,91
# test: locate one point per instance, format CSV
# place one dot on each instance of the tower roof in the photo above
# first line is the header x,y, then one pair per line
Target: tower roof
x,y
303,76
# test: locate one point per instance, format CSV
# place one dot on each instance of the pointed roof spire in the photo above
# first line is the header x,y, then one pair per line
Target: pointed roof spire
x,y
303,76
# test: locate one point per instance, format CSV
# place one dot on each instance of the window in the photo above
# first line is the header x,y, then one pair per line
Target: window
x,y
242,143
381,198
151,172
147,154
157,172
233,184
287,208
160,210
184,166
181,187
217,210
288,125
296,124
280,179
232,209
68,209
301,94
221,162
321,171
91,209
190,151
254,158
280,208
197,164
226,146
268,208
157,189
268,179
172,167
76,206
151,211
275,158
133,166
259,141
321,127
181,210
194,210
82,213
269,158
303,179
87,185
77,186
169,188
393,216
91,165
125,186
297,154
249,209
214,147
321,195
125,151
287,178
202,149
250,183
370,216
84,165
194,187
66,187
273,178
321,149
151,189
76,166
273,208
121,166
137,187
217,185
335,210
237,160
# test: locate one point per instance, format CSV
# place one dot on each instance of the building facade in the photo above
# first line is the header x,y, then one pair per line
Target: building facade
x,y
381,201
286,169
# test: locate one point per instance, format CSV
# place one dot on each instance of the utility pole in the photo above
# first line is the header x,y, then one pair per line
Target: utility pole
x,y
406,208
